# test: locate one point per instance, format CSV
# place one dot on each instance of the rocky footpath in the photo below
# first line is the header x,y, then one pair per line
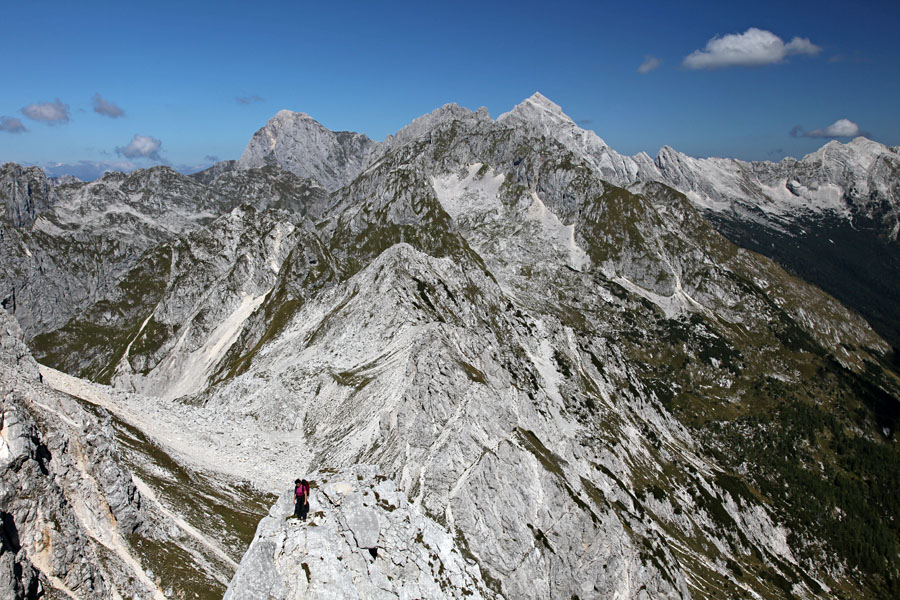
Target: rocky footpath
x,y
362,539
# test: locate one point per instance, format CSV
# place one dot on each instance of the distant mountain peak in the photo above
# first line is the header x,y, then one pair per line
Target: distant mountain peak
x,y
298,143
290,115
542,101
538,109
427,122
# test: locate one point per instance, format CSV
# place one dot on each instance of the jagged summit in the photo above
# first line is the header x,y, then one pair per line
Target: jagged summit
x,y
298,143
428,122
285,114
537,106
543,114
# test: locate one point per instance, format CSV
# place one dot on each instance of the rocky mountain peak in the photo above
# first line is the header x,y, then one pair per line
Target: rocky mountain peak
x,y
666,156
298,143
425,123
539,111
287,115
538,102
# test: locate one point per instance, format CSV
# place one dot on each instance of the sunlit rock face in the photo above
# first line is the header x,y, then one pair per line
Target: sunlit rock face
x,y
514,364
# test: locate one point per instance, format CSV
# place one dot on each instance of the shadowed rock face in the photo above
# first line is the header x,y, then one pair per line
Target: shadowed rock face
x,y
25,193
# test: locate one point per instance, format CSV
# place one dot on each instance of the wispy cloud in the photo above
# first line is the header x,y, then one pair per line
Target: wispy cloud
x,y
141,146
585,121
52,113
87,170
650,63
753,48
248,99
107,108
211,158
11,125
838,129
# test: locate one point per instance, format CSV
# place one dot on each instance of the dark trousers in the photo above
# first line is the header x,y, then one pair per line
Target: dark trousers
x,y
301,508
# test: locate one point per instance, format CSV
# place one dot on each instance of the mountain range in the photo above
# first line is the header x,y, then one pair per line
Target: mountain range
x,y
513,363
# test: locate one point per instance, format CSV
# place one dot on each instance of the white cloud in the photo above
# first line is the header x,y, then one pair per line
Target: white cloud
x,y
840,128
106,108
650,63
11,125
48,112
141,146
755,47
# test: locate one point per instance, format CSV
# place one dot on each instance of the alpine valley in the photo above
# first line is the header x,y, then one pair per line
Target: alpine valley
x,y
512,362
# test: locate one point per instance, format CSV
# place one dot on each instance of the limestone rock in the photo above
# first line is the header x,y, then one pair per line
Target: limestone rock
x,y
341,551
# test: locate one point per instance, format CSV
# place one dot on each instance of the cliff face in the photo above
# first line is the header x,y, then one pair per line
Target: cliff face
x,y
67,502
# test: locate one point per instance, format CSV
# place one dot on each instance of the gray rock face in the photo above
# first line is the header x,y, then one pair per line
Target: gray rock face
x,y
363,539
13,351
24,193
67,503
298,143
79,249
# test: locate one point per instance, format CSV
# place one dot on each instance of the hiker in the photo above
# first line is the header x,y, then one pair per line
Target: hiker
x,y
301,499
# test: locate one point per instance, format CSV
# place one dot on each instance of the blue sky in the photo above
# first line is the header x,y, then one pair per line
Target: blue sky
x,y
194,80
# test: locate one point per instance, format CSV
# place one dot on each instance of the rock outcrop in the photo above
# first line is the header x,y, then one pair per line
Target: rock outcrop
x,y
25,193
362,539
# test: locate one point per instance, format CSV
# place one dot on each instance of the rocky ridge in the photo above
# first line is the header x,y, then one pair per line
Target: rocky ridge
x,y
363,539
832,217
66,501
418,361
578,384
